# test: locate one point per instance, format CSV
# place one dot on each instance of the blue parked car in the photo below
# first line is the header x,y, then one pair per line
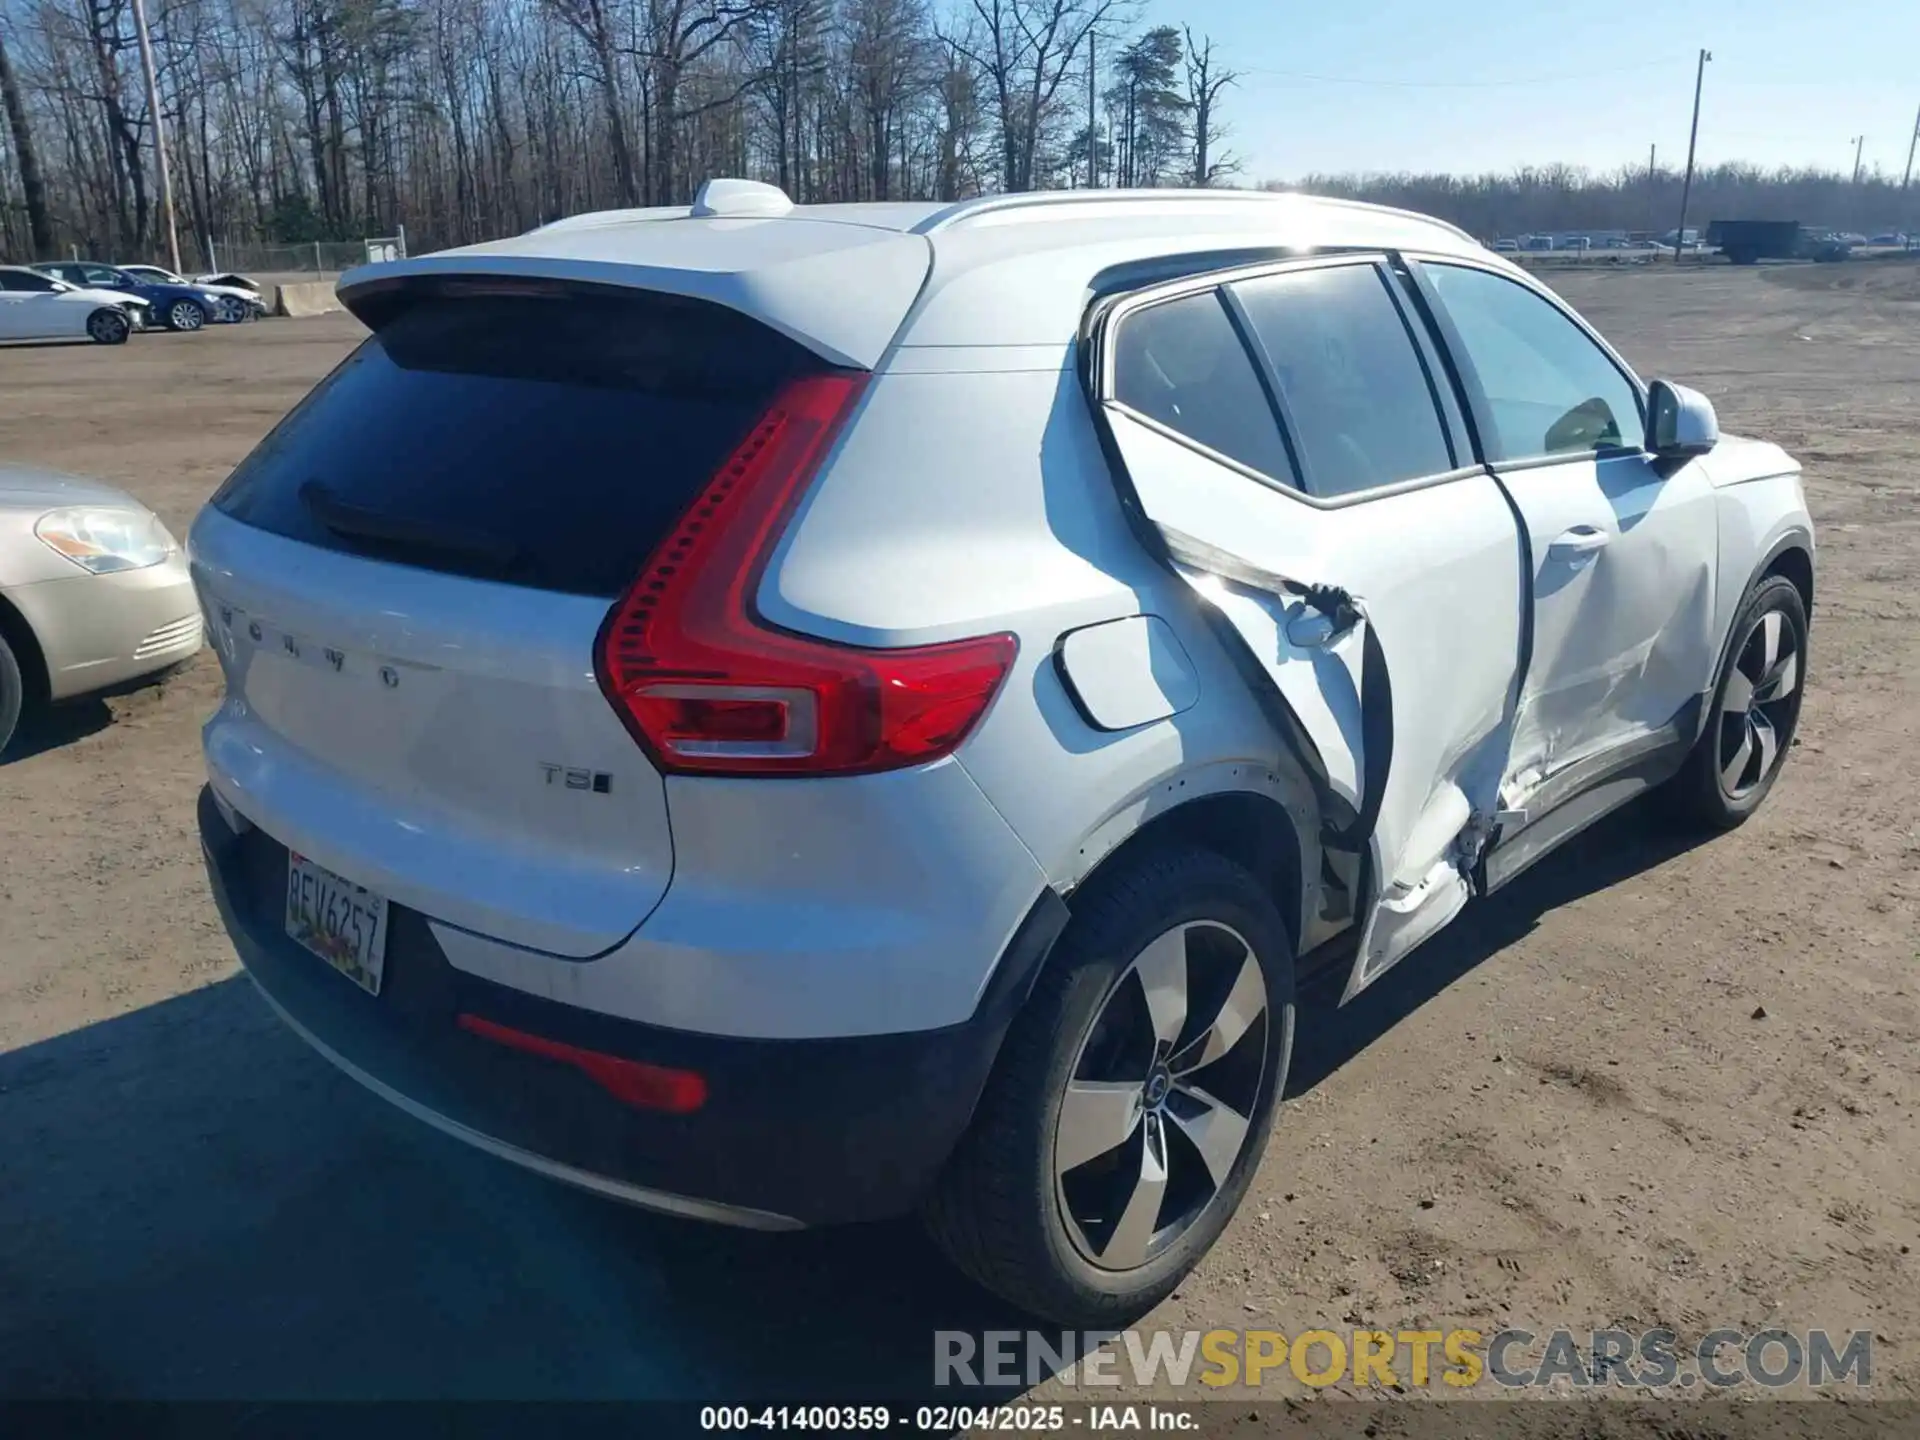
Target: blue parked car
x,y
178,307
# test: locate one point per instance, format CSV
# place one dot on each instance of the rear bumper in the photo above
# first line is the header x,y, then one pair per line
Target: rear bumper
x,y
98,631
793,1132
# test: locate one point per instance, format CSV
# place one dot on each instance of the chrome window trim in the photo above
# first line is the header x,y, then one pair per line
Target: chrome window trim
x,y
1109,317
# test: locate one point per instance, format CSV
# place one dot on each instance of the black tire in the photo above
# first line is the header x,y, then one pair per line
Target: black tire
x,y
188,315
13,695
234,310
108,326
999,1212
1701,795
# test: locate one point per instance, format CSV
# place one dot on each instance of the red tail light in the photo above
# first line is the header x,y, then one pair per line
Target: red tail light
x,y
709,688
636,1083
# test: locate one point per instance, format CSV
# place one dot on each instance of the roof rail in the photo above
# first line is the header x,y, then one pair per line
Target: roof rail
x,y
962,211
593,219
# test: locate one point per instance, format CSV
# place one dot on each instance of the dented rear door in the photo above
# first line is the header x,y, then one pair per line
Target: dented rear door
x,y
1287,436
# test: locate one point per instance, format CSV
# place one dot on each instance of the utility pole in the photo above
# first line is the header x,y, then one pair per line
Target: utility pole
x,y
1653,182
1907,180
1693,137
159,133
1859,145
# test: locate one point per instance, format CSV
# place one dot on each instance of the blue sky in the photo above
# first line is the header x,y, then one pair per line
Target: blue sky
x,y
1410,84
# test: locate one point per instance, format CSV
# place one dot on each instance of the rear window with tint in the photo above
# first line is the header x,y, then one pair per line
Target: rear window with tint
x,y
1182,364
1358,398
541,439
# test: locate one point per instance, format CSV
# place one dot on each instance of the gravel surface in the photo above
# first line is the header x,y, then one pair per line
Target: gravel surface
x,y
1653,1083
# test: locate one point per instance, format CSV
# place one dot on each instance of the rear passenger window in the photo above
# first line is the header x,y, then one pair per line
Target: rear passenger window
x,y
1182,364
1358,400
548,440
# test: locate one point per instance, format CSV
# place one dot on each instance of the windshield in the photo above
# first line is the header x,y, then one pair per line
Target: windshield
x,y
154,272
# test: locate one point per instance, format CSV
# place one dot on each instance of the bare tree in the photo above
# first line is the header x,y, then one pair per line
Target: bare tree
x,y
33,190
1025,50
958,172
1206,80
787,49
592,21
887,53
296,122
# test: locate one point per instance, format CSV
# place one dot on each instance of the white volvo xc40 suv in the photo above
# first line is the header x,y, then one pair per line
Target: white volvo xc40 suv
x,y
787,715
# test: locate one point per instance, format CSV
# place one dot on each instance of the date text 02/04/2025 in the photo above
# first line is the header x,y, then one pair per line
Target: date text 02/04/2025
x,y
944,1419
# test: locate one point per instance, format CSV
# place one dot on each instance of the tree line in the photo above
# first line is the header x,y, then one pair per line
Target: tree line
x,y
1565,198
291,121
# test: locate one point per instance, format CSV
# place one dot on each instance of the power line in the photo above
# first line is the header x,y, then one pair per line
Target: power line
x,y
1597,73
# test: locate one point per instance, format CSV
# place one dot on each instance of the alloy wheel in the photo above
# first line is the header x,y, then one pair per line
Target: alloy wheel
x,y
1759,705
107,327
186,315
1158,1110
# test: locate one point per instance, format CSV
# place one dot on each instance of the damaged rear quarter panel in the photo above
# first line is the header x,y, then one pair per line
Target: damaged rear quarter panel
x,y
974,496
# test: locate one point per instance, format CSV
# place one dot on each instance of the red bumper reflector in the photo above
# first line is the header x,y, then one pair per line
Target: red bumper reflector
x,y
634,1082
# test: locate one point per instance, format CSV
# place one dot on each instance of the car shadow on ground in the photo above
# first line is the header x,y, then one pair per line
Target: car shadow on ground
x,y
49,726
1633,839
55,725
193,1205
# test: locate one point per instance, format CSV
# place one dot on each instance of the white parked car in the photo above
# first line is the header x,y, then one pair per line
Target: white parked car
x,y
38,307
788,715
236,303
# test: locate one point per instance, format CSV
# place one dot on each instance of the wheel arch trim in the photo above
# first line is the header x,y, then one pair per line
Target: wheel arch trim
x,y
1199,806
1795,540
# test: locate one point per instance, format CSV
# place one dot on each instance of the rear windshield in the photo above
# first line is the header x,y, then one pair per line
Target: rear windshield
x,y
541,438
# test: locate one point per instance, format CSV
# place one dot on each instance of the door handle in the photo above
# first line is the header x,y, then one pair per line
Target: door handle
x,y
1579,542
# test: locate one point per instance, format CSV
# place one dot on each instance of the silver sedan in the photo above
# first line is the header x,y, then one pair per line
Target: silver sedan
x,y
94,592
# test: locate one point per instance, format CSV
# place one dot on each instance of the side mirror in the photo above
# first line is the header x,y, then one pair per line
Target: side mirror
x,y
1681,424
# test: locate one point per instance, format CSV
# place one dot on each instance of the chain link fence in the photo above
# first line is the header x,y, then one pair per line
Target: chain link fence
x,y
319,258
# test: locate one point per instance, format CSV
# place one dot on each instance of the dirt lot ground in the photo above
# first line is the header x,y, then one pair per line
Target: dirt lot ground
x,y
1566,1111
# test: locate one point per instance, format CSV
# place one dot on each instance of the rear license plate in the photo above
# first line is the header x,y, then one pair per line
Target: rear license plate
x,y
342,923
